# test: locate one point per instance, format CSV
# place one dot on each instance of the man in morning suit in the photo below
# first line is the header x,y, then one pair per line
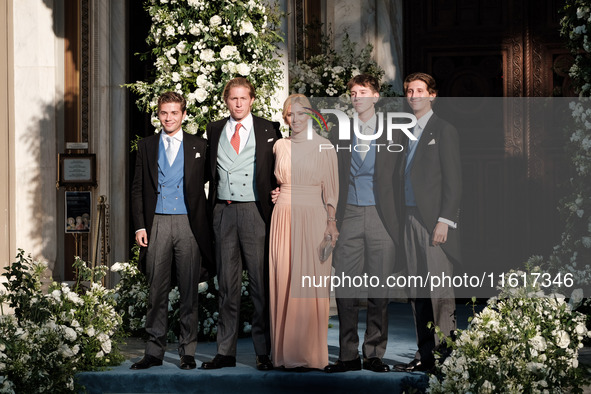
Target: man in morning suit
x,y
368,213
170,216
432,190
242,168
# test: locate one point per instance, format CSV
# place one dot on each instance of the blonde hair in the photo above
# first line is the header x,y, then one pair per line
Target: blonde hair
x,y
238,82
294,98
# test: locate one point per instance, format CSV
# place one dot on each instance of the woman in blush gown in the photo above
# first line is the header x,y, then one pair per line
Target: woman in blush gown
x,y
304,214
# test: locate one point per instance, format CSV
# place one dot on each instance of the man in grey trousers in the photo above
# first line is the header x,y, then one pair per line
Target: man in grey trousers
x,y
242,165
170,216
368,213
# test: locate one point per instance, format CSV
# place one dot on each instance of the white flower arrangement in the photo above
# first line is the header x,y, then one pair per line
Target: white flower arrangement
x,y
53,335
327,74
522,341
195,41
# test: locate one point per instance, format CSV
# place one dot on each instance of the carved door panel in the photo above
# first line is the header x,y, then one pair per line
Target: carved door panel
x,y
511,171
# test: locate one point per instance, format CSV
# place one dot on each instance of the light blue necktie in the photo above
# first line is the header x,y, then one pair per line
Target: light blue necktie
x,y
412,146
169,150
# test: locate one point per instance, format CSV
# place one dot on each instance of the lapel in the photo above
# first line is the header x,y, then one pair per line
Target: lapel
x,y
152,145
227,148
426,137
189,151
346,157
214,141
383,160
262,136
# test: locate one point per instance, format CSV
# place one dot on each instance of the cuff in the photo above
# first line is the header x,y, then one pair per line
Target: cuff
x,y
448,222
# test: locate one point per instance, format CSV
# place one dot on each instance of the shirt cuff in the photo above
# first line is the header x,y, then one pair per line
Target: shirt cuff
x,y
137,231
448,222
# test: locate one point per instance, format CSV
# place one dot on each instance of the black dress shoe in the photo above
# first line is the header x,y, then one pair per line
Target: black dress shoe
x,y
264,363
344,366
414,366
188,362
375,364
219,361
147,362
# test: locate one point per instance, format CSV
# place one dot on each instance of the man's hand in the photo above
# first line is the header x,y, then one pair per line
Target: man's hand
x,y
141,237
275,195
439,234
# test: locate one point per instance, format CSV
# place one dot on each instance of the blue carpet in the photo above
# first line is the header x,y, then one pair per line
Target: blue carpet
x,y
169,378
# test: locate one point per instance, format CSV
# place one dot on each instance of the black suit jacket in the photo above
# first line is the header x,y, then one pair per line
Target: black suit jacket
x,y
388,181
144,192
436,177
266,133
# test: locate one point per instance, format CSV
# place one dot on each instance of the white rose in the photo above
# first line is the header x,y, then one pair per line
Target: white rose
x,y
191,128
182,47
228,52
215,20
562,339
246,27
199,94
106,346
538,343
194,30
70,334
243,69
201,81
207,55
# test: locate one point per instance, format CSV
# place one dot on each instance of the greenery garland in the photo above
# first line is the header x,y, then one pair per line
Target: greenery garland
x,y
199,45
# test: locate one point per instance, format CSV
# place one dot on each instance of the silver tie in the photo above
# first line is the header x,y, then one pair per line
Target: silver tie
x,y
169,151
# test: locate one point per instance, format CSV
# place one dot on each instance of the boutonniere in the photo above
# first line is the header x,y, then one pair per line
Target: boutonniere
x,y
197,155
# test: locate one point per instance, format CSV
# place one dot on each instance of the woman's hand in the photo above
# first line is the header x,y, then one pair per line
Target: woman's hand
x,y
275,195
331,229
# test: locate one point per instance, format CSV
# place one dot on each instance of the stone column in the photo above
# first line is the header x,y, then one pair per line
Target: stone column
x,y
7,196
375,22
107,119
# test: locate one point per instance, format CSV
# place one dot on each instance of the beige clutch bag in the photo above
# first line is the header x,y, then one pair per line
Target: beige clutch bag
x,y
325,248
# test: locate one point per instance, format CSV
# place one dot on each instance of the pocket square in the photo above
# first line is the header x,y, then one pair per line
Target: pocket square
x,y
270,140
432,142
197,155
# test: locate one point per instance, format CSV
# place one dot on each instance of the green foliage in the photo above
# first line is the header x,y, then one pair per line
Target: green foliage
x,y
523,341
198,46
573,254
53,335
575,27
327,74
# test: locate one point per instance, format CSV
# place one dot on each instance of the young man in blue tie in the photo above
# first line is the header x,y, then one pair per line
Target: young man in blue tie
x,y
432,194
170,216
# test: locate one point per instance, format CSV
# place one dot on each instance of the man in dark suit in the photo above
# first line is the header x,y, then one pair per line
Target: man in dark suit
x,y
433,189
242,168
170,216
368,213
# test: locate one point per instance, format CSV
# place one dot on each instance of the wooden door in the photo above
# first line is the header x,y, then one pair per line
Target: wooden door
x,y
512,173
